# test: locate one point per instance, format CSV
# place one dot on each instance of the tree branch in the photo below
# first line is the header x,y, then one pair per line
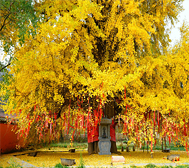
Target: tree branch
x,y
5,66
4,22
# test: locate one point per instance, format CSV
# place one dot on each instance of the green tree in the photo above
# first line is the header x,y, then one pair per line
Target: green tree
x,y
16,19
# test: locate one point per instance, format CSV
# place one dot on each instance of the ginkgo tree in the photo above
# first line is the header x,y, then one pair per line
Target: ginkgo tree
x,y
88,51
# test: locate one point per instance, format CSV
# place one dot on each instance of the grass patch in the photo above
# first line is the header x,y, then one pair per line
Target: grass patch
x,y
157,147
66,145
58,145
174,147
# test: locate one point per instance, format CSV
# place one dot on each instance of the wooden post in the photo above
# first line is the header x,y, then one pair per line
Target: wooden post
x,y
162,144
127,148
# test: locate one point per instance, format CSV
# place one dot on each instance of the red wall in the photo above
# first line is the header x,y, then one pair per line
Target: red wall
x,y
8,139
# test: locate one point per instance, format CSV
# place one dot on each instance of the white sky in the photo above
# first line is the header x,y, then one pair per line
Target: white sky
x,y
175,34
184,16
1,52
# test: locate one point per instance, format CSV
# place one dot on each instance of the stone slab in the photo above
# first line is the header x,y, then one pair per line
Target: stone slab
x,y
117,159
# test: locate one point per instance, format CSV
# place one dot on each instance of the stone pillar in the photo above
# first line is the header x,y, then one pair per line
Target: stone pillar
x,y
104,137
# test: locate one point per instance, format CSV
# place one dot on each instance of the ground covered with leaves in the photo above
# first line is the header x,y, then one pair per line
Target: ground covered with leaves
x,y
50,158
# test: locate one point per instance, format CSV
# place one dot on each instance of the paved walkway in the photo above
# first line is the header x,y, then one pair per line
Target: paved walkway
x,y
22,163
141,164
157,164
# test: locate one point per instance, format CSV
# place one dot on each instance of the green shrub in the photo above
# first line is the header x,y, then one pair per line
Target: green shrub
x,y
150,166
183,166
81,162
59,165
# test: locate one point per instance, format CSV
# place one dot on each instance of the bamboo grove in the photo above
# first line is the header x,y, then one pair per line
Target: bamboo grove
x,y
87,52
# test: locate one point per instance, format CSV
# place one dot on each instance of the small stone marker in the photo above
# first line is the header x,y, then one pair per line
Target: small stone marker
x,y
72,150
34,154
67,162
117,159
173,157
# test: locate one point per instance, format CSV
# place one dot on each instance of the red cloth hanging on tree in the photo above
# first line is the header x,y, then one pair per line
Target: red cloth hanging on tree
x,y
93,128
92,133
112,131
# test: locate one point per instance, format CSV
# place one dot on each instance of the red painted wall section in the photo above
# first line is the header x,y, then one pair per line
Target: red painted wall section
x,y
8,139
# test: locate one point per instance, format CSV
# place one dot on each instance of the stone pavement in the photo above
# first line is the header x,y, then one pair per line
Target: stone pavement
x,y
140,164
22,163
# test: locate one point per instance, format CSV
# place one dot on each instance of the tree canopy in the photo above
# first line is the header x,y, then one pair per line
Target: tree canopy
x,y
17,18
85,53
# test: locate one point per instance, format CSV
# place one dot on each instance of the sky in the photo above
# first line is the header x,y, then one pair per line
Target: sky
x,y
175,34
184,16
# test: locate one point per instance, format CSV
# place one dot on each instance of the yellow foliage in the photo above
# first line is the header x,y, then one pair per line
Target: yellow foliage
x,y
98,49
